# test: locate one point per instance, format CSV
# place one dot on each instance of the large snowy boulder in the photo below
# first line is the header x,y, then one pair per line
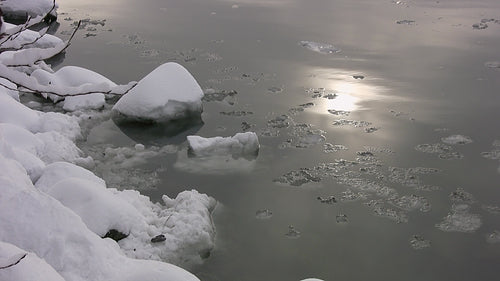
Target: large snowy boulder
x,y
18,9
167,93
241,144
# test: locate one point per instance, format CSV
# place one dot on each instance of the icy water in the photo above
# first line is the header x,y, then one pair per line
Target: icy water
x,y
378,123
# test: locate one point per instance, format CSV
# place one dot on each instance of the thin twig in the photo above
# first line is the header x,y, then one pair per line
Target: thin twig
x,y
18,261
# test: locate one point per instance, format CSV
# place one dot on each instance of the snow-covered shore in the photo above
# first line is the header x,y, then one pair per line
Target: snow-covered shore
x,y
59,221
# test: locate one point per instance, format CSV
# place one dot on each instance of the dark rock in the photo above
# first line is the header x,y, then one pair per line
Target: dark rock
x,y
158,238
115,235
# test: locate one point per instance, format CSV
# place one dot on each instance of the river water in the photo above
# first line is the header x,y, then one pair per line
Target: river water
x,y
351,99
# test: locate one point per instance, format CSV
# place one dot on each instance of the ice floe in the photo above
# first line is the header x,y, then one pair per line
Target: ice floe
x,y
19,9
240,144
263,214
292,233
418,242
460,220
322,48
456,139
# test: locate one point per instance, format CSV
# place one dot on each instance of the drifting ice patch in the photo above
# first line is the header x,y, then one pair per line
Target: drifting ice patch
x,y
297,178
460,220
329,148
322,48
418,242
263,214
239,145
493,237
492,64
457,139
461,196
292,232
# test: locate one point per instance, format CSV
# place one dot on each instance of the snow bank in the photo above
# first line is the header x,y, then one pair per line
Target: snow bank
x,y
19,8
36,222
34,121
167,93
184,221
24,266
238,145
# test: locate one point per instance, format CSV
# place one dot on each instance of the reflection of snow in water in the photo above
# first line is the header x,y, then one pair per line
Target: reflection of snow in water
x,y
213,164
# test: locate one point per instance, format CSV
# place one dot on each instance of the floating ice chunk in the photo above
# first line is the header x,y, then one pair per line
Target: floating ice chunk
x,y
311,279
407,22
418,242
329,148
167,93
479,26
456,139
327,200
341,218
461,196
292,232
239,145
20,265
493,237
492,64
322,48
297,178
460,220
413,202
263,214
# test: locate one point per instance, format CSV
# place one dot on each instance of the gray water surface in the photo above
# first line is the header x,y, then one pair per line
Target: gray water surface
x,y
346,96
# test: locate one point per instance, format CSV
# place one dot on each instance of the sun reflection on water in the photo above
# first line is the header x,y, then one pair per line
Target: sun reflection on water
x,y
351,90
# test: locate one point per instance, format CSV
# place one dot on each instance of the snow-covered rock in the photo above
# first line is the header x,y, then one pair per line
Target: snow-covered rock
x,y
167,93
239,145
83,79
36,222
29,39
4,91
19,8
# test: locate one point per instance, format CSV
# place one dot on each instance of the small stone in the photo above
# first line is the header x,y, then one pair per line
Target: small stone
x,y
115,235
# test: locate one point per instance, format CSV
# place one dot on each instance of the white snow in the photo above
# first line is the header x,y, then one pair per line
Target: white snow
x,y
83,79
29,266
169,92
59,223
19,8
26,37
36,222
238,145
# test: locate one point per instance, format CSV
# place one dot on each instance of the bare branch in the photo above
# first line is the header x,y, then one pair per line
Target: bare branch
x,y
12,264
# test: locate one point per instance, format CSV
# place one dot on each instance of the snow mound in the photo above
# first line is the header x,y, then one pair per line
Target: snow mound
x,y
238,145
23,266
26,38
57,171
83,79
57,235
19,8
167,93
34,121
